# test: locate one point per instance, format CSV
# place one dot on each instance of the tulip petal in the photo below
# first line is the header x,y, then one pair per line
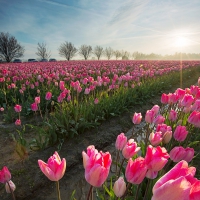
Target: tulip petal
x,y
178,189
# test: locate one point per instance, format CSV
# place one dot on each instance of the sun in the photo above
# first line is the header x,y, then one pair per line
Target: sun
x,y
181,41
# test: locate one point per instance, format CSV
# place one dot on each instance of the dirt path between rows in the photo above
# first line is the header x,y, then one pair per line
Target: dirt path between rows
x,y
32,184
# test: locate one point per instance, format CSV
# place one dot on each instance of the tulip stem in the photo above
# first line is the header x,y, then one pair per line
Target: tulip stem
x,y
89,193
13,196
121,167
126,192
137,192
117,161
147,188
58,190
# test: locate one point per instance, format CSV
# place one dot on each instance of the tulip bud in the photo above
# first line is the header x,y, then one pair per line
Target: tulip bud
x,y
120,141
167,137
12,186
119,187
137,117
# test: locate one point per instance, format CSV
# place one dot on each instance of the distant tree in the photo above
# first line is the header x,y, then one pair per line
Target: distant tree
x,y
98,52
42,51
85,51
125,55
117,54
67,50
9,47
108,52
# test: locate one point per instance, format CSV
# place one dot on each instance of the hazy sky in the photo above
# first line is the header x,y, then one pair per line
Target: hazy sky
x,y
158,26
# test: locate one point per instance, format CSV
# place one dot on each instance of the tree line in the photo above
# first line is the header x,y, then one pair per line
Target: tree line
x,y
11,49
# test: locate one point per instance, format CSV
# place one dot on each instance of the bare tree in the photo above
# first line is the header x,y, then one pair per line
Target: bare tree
x,y
42,51
108,52
134,55
9,47
98,52
85,51
125,55
117,54
67,50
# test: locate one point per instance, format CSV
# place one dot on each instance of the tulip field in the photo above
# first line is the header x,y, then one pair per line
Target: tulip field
x,y
61,100
70,97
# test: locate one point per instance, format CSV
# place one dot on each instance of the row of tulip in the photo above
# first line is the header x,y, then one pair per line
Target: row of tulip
x,y
78,95
156,168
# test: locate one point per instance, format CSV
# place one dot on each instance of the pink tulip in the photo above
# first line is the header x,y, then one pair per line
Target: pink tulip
x,y
96,101
130,149
18,122
156,158
149,117
177,154
37,100
12,186
5,175
87,91
158,120
173,98
178,183
34,107
48,96
156,109
187,100
163,128
155,138
167,137
97,166
1,109
119,187
18,108
54,169
180,133
172,115
194,119
62,85
180,93
164,98
189,154
136,170
137,117
120,141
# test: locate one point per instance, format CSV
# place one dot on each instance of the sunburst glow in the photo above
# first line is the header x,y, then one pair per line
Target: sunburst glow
x,y
181,41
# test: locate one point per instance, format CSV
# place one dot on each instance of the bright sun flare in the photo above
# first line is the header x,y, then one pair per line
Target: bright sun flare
x,y
181,41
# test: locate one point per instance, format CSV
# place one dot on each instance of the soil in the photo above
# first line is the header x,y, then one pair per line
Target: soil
x,y
32,184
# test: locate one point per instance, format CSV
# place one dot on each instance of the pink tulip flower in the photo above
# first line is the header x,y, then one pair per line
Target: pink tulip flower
x,y
48,96
158,120
18,122
137,117
130,149
180,93
155,138
189,154
97,166
194,118
163,128
62,85
149,117
18,108
119,187
5,175
187,100
156,158
1,109
180,133
156,109
120,141
12,186
196,105
177,154
164,98
34,107
178,183
96,101
37,100
172,115
136,170
173,98
167,137
54,169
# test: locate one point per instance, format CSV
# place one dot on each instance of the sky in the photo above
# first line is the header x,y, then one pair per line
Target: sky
x,y
147,26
